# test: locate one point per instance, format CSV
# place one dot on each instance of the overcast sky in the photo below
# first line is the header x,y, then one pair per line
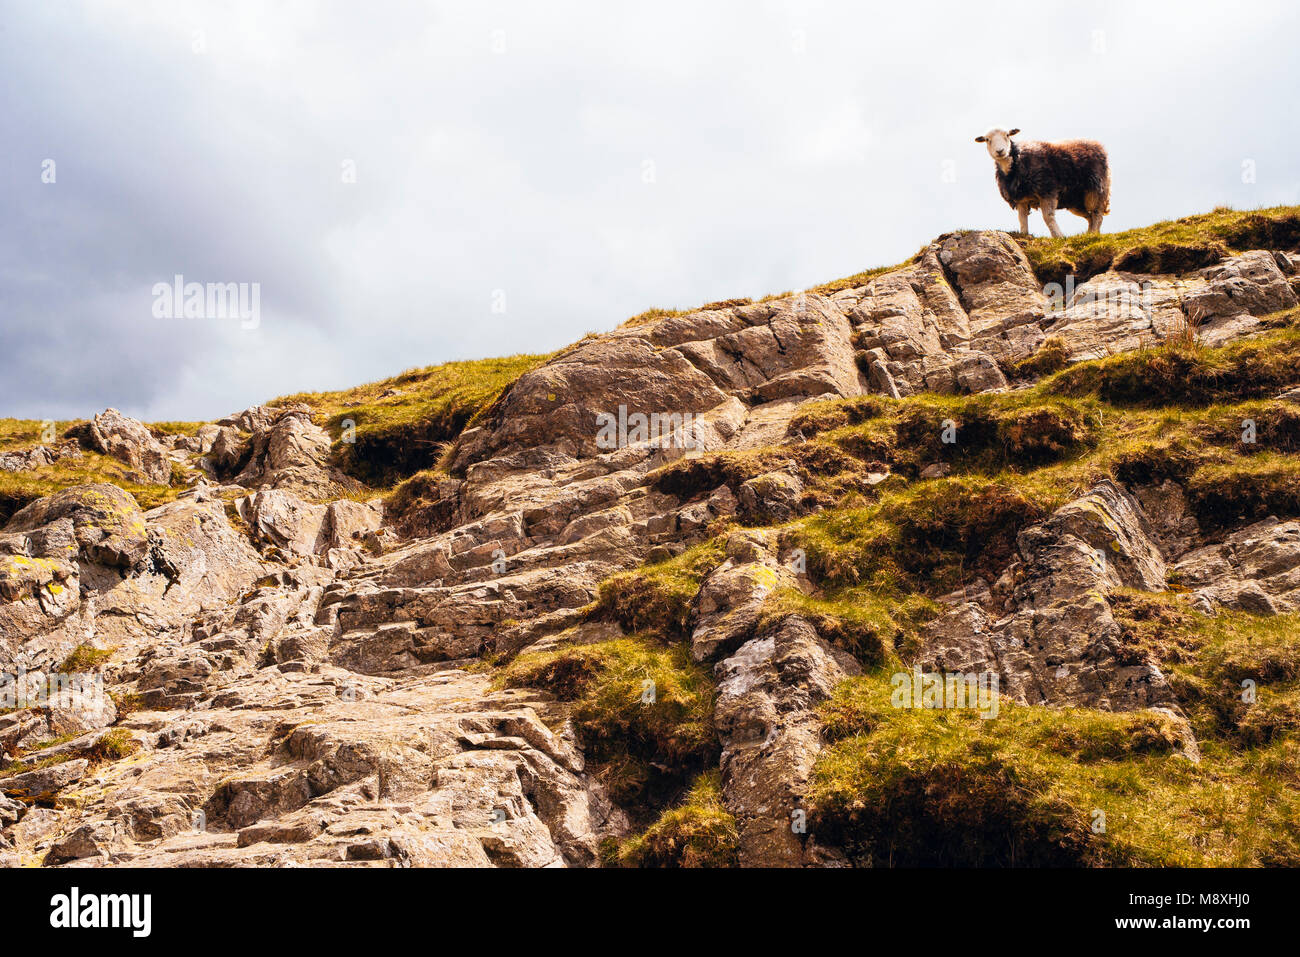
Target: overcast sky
x,y
527,172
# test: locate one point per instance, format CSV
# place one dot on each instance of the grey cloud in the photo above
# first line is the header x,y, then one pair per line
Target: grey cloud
x,y
522,170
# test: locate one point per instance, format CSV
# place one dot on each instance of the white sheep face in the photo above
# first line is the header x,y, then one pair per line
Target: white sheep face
x,y
998,142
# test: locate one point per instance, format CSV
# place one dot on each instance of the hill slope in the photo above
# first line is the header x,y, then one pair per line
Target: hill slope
x,y
506,620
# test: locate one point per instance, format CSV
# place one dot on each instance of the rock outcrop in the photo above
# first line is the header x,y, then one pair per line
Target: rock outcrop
x,y
26,460
1056,642
299,677
129,441
1256,569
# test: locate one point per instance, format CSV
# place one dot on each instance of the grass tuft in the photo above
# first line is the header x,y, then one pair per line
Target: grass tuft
x,y
698,833
388,430
644,712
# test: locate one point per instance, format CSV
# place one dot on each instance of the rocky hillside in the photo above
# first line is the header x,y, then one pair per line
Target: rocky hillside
x,y
457,618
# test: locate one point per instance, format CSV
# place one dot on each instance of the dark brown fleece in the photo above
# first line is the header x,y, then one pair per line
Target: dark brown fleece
x,y
1076,172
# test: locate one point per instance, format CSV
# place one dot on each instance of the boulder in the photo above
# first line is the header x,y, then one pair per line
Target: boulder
x,y
558,403
911,312
106,526
11,811
80,707
1250,284
203,558
128,440
1115,312
228,451
349,522
914,329
95,839
731,600
710,364
770,498
283,520
22,576
43,783
284,449
998,290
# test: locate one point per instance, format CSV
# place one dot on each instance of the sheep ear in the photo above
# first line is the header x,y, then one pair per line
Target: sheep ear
x,y
1013,132
979,139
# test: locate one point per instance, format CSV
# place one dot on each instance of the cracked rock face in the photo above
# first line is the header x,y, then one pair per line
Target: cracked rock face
x,y
1120,312
770,734
710,365
1056,642
302,682
1256,569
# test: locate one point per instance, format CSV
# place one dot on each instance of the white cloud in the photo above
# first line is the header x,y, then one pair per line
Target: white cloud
x,y
791,143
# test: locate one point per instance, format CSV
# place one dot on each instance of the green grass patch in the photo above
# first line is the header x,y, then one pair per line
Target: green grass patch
x,y
1181,374
1208,659
113,745
1174,247
875,626
988,432
1051,356
698,833
828,473
644,711
929,537
18,489
127,702
916,787
656,599
904,787
21,434
402,424
84,658
161,429
1246,489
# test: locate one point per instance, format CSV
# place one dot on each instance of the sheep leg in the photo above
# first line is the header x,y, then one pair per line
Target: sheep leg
x,y
1023,210
1049,216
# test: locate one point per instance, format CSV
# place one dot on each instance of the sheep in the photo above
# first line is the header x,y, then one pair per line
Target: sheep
x,y
1070,174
